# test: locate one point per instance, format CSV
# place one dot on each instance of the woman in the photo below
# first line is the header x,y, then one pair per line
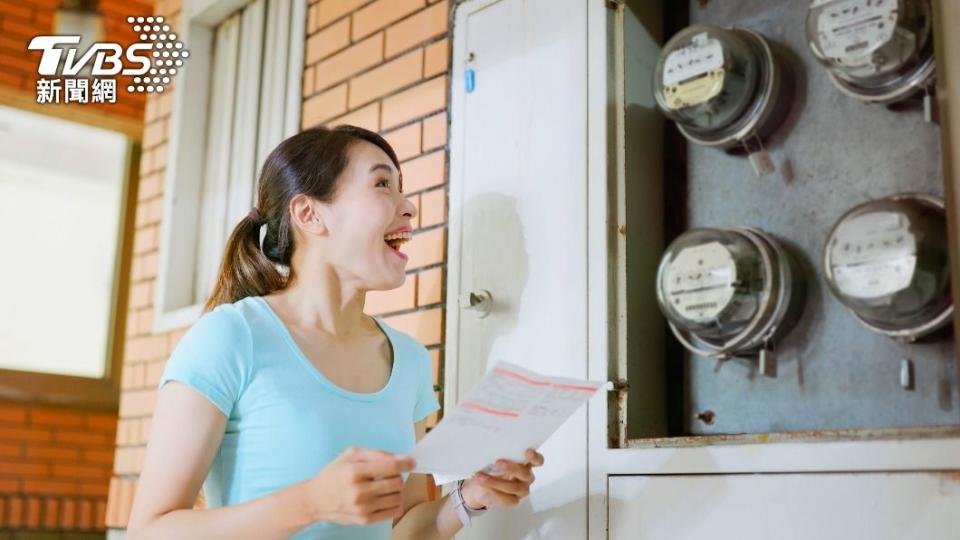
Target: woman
x,y
289,405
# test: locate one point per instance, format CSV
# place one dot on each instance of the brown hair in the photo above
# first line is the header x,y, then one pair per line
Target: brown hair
x,y
309,162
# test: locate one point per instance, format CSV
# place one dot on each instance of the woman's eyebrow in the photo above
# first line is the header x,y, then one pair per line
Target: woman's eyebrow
x,y
383,166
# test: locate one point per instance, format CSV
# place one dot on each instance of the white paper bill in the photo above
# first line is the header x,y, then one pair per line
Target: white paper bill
x,y
509,410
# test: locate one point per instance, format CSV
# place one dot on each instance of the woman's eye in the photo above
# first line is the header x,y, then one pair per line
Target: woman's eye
x,y
383,183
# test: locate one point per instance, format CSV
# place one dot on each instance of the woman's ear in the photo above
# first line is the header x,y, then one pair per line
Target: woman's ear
x,y
307,214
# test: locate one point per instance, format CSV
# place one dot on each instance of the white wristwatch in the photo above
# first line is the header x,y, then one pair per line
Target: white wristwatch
x,y
464,512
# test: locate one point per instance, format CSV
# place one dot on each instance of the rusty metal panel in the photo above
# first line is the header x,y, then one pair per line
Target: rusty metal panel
x,y
832,153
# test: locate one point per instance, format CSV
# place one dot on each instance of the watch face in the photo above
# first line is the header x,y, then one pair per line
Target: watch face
x,y
887,261
876,49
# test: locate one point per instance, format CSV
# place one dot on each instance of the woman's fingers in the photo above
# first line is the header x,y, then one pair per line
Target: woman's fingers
x,y
518,488
534,458
512,469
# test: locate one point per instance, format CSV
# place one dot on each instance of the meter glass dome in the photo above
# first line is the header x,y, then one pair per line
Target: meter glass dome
x,y
721,85
877,50
886,260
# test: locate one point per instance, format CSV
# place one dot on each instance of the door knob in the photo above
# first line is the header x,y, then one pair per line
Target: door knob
x,y
480,301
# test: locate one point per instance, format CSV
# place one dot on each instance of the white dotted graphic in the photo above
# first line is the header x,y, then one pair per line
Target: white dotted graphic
x,y
167,52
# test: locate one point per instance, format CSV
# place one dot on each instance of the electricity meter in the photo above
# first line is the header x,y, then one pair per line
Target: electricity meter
x,y
886,261
729,291
880,51
722,86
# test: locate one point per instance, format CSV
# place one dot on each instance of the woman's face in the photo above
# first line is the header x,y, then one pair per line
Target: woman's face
x,y
367,220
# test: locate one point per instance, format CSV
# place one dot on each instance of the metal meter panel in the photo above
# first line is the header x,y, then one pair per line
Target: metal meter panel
x,y
879,51
832,372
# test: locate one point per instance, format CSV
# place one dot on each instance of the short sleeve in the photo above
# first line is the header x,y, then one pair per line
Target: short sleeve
x,y
426,398
213,357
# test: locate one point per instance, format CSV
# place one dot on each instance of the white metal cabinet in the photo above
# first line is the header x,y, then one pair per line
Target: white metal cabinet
x,y
714,491
785,506
517,228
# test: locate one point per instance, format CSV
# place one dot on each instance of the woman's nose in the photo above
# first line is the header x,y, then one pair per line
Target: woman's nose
x,y
408,209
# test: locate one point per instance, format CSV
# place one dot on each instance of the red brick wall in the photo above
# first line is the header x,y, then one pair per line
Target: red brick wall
x,y
379,64
56,462
54,467
22,20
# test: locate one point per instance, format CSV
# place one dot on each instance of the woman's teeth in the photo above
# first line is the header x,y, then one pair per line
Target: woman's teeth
x,y
395,240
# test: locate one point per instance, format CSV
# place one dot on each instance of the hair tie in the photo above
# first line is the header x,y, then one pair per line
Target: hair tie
x,y
256,216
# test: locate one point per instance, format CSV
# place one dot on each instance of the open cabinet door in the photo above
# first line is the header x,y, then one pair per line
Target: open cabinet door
x,y
518,188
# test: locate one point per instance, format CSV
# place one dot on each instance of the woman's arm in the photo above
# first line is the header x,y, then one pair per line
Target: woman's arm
x,y
186,432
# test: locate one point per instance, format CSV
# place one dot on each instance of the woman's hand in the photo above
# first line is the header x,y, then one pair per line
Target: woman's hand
x,y
506,489
360,486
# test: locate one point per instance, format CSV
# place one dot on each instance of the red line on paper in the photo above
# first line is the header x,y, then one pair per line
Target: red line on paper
x,y
482,408
575,387
520,377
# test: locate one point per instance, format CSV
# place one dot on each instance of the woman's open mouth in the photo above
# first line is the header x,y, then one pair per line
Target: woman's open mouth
x,y
397,239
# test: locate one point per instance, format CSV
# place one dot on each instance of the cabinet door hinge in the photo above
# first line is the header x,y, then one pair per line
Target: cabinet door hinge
x,y
613,4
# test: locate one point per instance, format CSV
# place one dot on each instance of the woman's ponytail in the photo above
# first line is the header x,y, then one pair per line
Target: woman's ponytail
x,y
244,270
309,162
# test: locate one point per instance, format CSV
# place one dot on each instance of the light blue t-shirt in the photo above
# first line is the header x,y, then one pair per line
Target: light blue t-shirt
x,y
285,420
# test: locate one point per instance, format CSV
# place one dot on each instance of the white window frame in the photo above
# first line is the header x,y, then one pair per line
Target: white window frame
x,y
174,305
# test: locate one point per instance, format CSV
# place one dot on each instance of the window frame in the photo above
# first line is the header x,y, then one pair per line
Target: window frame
x,y
173,303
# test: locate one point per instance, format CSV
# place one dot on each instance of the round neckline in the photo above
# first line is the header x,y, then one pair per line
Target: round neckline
x,y
306,363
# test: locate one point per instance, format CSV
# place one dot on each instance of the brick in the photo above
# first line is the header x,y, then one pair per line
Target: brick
x,y
15,512
79,437
51,513
311,19
349,62
25,434
154,133
137,403
399,299
425,326
102,422
145,425
424,172
436,58
434,131
425,98
128,460
425,248
68,513
99,457
308,76
53,417
433,207
34,505
145,348
12,413
324,106
405,141
414,30
436,361
85,514
37,451
382,13
387,78
429,287
24,468
80,471
330,40
95,488
11,449
100,512
331,10
152,373
141,295
367,117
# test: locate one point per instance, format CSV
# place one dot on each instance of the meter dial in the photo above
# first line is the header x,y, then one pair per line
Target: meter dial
x,y
880,51
720,85
886,260
728,291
